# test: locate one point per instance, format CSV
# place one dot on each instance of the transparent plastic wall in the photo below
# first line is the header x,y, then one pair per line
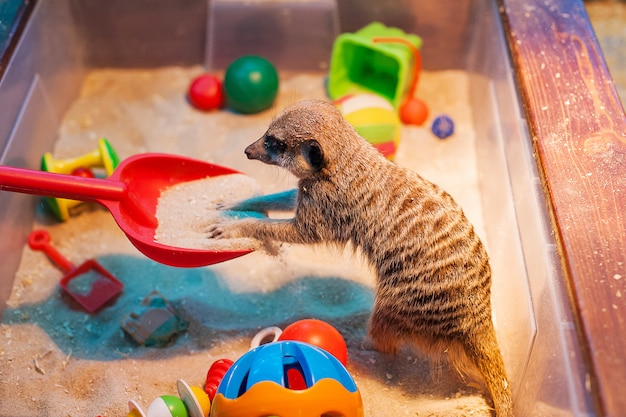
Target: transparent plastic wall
x,y
544,359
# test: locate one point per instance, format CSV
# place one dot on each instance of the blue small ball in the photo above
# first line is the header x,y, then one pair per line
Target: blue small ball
x,y
442,127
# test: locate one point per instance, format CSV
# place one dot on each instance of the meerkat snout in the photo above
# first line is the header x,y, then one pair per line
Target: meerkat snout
x,y
255,150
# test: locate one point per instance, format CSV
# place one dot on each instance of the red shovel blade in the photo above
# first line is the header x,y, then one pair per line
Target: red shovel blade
x,y
90,284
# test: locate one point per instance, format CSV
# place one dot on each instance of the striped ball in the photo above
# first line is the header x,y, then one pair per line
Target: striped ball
x,y
374,118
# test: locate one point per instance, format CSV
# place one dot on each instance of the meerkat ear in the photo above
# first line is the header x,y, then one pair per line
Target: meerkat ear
x,y
312,152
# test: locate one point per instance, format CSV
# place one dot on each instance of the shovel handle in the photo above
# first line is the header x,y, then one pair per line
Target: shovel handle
x,y
40,240
50,184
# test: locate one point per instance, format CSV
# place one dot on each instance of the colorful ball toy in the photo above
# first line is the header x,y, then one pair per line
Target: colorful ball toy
x,y
250,84
205,92
256,385
375,119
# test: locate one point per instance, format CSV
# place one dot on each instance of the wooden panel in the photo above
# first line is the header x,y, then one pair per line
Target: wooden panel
x,y
578,130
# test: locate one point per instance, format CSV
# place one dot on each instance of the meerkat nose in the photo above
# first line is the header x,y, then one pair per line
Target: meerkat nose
x,y
255,150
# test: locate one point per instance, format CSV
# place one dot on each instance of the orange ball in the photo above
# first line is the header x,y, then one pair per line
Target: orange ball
x,y
413,112
318,333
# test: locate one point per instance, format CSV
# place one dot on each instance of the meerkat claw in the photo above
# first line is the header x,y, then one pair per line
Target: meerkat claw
x,y
214,232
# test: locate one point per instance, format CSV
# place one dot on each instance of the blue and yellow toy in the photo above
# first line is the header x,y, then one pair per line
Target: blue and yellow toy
x,y
104,157
257,385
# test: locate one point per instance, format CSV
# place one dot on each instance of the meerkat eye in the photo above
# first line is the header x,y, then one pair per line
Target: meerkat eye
x,y
274,145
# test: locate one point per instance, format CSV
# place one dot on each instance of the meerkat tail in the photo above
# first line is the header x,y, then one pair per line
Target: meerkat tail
x,y
485,355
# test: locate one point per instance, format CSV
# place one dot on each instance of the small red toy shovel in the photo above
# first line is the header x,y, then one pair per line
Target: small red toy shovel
x,y
90,284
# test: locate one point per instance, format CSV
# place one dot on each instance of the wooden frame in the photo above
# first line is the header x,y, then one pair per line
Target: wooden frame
x,y
578,130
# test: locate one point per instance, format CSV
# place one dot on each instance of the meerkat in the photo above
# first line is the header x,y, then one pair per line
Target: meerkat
x,y
433,278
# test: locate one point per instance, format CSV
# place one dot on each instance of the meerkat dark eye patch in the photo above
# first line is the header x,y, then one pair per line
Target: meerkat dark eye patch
x,y
274,145
312,152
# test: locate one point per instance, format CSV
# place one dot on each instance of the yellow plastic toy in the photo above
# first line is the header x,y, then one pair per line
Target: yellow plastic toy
x,y
103,157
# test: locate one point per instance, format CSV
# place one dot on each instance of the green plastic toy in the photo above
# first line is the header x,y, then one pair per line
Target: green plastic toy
x,y
359,64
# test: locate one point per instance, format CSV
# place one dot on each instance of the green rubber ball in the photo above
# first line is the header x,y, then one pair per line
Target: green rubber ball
x,y
250,84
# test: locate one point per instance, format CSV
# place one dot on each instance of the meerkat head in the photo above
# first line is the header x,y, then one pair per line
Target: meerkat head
x,y
303,139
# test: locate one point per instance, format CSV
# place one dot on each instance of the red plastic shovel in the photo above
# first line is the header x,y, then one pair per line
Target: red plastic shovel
x,y
90,284
131,194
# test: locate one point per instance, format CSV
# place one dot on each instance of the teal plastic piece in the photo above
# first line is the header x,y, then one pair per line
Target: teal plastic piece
x,y
358,65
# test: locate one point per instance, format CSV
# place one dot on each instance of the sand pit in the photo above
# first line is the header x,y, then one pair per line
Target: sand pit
x,y
57,360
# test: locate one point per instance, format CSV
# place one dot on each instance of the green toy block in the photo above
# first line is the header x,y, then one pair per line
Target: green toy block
x,y
358,65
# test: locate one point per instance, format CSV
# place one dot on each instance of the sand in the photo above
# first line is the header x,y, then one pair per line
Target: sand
x,y
57,360
202,201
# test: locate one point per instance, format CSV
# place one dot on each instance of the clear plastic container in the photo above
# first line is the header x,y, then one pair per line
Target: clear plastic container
x,y
64,38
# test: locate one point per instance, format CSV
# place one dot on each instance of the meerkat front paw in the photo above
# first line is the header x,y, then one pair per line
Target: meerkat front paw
x,y
231,229
223,231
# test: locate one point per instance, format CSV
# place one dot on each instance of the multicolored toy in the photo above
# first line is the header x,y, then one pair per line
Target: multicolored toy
x,y
103,157
90,284
250,84
375,119
191,402
256,385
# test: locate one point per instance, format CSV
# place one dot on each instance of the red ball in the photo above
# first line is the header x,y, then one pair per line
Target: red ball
x,y
413,112
205,92
83,172
318,333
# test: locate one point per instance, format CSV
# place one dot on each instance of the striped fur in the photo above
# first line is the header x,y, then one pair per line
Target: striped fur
x,y
433,273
